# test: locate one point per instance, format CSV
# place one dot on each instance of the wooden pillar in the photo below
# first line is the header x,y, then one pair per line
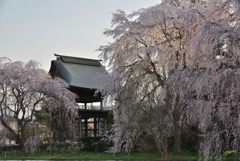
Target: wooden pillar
x,y
105,126
101,106
73,129
80,127
99,126
85,106
86,128
95,127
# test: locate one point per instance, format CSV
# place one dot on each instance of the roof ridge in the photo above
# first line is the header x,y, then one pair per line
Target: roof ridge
x,y
77,57
77,60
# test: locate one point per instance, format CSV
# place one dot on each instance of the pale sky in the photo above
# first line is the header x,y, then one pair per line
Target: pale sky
x,y
36,29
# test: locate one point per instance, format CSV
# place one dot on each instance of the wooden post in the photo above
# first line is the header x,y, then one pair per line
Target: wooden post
x,y
85,106
105,126
73,129
95,127
99,126
80,127
101,106
86,128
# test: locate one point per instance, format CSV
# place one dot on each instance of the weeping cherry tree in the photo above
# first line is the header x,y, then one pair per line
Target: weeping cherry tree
x,y
148,45
209,86
25,88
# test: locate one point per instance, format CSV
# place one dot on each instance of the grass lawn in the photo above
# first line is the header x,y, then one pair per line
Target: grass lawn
x,y
135,155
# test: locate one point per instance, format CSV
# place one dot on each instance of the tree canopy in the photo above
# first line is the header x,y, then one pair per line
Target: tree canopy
x,y
25,88
172,65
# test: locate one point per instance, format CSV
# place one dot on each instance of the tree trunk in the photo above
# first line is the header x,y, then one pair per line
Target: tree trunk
x,y
177,143
19,141
63,128
162,152
177,134
54,130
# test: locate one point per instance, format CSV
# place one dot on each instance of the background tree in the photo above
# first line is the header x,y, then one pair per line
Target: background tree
x,y
60,122
24,88
42,116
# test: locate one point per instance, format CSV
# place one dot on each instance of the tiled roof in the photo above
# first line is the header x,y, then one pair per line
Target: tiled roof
x,y
83,61
79,72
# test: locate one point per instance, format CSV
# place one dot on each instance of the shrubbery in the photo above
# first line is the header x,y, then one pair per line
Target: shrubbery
x,y
230,154
93,144
61,147
10,148
146,143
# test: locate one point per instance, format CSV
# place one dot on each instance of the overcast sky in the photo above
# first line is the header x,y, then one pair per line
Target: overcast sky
x,y
36,29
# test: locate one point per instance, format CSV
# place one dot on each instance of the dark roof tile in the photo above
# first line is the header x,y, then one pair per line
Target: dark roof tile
x,y
68,59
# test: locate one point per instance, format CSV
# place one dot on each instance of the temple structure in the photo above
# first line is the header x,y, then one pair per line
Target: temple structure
x,y
81,75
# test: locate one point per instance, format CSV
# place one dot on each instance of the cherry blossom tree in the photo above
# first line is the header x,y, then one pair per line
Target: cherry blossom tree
x,y
25,88
209,86
148,45
172,65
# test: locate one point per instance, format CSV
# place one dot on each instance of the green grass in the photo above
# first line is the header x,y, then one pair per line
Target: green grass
x,y
135,155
